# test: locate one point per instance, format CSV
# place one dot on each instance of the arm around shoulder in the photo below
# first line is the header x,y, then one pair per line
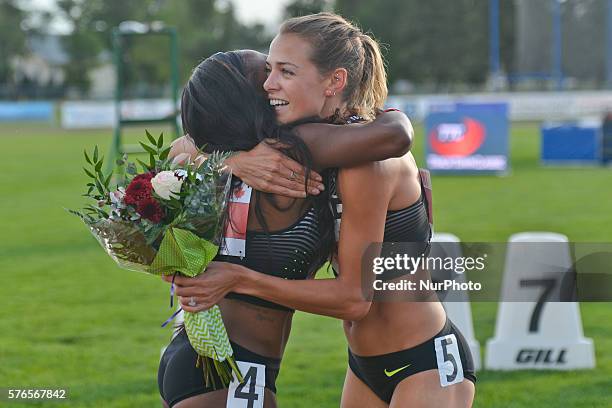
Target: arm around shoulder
x,y
389,135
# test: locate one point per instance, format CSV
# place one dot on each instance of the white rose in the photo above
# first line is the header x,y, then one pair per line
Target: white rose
x,y
180,173
166,183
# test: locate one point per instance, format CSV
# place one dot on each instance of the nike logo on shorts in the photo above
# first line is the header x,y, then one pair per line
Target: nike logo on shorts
x,y
392,373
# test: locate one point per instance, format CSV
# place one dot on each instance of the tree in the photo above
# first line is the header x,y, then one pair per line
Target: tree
x,y
13,38
304,7
92,22
82,45
204,27
438,42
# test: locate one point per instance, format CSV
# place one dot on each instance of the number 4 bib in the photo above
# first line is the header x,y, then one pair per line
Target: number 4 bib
x,y
250,393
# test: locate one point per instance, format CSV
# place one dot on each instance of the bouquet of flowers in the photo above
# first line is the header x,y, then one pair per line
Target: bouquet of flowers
x,y
166,219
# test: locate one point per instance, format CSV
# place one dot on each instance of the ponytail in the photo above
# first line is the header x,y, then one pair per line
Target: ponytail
x,y
372,90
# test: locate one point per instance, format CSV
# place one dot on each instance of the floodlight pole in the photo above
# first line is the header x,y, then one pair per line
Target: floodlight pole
x,y
116,144
557,70
608,43
118,36
174,72
494,63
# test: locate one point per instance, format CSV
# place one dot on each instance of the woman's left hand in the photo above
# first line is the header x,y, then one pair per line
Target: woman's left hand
x,y
206,289
267,169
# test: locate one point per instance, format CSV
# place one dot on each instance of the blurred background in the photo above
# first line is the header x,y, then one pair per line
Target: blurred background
x,y
62,48
535,74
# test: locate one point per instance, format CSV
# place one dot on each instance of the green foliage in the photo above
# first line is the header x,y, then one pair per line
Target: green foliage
x,y
12,37
83,44
158,154
98,188
435,42
304,7
198,207
207,197
205,28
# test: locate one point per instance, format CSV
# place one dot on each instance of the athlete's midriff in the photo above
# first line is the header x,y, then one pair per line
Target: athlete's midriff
x,y
260,329
394,326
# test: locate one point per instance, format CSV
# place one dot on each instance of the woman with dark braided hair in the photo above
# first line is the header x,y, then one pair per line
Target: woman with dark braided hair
x,y
401,353
224,108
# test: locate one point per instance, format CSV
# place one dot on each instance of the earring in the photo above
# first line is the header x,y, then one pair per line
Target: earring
x,y
334,93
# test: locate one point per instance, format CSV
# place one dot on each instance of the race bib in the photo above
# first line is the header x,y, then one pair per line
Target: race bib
x,y
450,368
234,237
250,393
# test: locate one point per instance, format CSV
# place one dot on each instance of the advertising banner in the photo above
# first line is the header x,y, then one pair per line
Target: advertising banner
x,y
26,111
467,138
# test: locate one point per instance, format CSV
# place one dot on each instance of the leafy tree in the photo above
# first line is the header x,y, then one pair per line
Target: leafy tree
x,y
205,28
437,42
82,45
304,7
13,38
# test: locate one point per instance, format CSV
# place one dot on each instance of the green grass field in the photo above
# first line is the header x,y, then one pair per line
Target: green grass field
x,y
71,318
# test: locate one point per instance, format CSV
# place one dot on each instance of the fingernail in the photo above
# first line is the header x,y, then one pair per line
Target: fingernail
x,y
314,191
321,187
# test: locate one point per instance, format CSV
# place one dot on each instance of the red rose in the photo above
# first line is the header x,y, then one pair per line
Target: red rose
x,y
139,189
150,209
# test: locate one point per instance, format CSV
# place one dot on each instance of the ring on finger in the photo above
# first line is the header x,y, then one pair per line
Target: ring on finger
x,y
192,302
293,175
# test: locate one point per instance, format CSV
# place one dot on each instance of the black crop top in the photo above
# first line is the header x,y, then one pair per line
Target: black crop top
x,y
288,253
411,226
406,231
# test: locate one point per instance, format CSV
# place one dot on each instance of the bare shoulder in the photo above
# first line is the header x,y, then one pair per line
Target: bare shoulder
x,y
376,170
373,179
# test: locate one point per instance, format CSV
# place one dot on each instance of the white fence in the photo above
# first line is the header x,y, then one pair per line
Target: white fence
x,y
536,106
102,114
524,106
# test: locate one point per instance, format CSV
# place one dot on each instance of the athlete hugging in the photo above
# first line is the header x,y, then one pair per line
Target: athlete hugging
x,y
313,106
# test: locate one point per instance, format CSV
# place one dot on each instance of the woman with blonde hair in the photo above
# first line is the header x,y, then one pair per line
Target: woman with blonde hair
x,y
401,353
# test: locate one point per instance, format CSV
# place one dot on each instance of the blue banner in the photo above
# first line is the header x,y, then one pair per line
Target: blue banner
x,y
26,111
467,138
571,143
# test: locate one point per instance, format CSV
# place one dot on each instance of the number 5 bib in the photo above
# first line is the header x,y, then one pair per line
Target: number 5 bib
x,y
449,360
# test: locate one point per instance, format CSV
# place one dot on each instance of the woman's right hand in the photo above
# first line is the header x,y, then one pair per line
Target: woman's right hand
x,y
267,169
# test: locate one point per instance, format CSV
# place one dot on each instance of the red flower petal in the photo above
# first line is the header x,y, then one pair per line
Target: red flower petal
x,y
150,209
139,189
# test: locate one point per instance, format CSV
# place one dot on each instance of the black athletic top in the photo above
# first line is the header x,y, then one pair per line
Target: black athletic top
x,y
407,231
409,226
288,253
